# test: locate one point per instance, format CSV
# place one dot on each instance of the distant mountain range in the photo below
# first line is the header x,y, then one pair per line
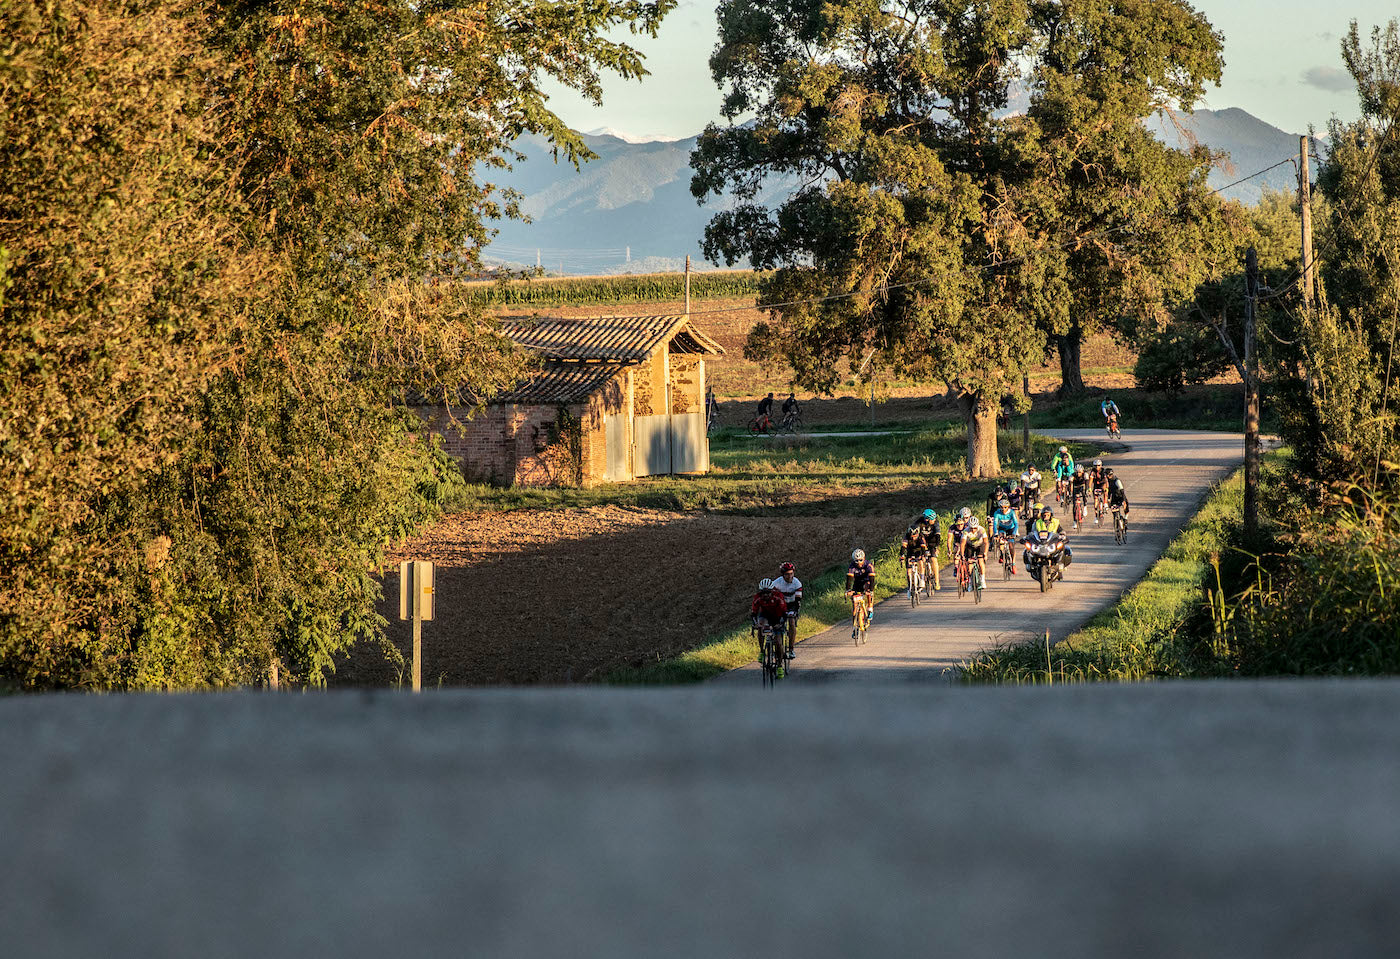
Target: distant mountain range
x,y
630,210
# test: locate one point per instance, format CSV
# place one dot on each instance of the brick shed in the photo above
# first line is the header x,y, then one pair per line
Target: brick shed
x,y
616,398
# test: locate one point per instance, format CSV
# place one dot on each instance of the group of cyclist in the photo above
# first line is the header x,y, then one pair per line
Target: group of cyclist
x,y
764,417
779,600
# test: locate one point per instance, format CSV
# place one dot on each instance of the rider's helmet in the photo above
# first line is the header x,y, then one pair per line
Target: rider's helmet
x,y
929,516
1098,462
1004,503
1064,449
972,523
1047,513
858,556
1078,469
1108,471
965,514
787,568
764,585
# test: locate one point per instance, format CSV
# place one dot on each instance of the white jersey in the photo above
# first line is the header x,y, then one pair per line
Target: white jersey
x,y
788,589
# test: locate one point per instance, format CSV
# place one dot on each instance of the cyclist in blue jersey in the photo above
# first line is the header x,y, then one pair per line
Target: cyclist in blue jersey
x,y
1005,527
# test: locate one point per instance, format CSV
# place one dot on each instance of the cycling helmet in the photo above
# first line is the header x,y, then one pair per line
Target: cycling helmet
x,y
1004,503
764,584
858,556
1078,468
973,523
1108,471
965,513
787,568
1098,462
1064,449
930,514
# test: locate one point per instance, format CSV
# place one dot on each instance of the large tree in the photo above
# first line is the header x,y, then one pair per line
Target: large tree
x,y
218,227
948,236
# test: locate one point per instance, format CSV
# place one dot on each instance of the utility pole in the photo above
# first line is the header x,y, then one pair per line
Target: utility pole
x,y
687,284
1305,208
1251,398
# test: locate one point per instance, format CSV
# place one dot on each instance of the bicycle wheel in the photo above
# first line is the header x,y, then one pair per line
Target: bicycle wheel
x,y
1120,528
912,574
978,584
931,576
1005,558
755,426
857,619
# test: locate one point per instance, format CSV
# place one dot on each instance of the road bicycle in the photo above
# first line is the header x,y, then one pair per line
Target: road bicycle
x,y
1120,526
976,581
1005,557
760,424
1061,491
1100,505
712,420
1078,510
860,616
770,651
791,423
960,567
914,573
1113,427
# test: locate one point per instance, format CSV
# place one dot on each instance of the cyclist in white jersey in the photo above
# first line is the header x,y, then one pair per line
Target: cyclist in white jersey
x,y
791,589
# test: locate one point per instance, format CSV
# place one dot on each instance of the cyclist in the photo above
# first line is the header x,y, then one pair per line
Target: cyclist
x,y
790,587
1064,469
768,607
1110,412
974,546
1013,497
1030,482
995,496
791,410
1005,528
765,413
860,578
920,541
1098,482
1117,495
957,529
1078,486
711,408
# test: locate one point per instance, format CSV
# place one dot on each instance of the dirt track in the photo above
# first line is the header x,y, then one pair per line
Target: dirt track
x,y
553,596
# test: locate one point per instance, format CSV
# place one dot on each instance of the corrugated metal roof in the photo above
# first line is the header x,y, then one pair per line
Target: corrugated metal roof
x,y
628,339
562,383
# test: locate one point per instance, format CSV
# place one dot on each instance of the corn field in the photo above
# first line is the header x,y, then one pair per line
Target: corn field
x,y
588,291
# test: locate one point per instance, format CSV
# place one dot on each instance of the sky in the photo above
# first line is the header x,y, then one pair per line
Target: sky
x,y
1282,63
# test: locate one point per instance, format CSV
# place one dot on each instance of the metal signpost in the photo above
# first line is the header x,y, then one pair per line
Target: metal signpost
x,y
416,603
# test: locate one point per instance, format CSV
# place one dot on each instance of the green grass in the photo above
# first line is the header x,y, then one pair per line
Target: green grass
x,y
1198,408
1147,633
758,476
594,291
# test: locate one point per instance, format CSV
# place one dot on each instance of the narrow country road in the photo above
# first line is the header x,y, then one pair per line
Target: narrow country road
x,y
1166,473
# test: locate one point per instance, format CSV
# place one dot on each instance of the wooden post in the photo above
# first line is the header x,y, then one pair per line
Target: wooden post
x,y
416,602
417,653
1305,208
687,284
1251,399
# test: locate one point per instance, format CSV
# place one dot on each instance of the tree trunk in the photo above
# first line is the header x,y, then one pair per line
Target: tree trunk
x,y
982,460
1071,376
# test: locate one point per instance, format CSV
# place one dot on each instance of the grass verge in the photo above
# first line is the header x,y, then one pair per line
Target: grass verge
x,y
1144,635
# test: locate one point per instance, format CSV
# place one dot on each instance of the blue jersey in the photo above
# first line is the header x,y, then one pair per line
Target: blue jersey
x,y
1004,521
1108,406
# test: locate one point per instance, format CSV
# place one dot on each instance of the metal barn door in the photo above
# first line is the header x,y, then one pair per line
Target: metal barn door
x,y
653,434
615,436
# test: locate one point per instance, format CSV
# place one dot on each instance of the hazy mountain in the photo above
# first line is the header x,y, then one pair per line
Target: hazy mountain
x,y
637,195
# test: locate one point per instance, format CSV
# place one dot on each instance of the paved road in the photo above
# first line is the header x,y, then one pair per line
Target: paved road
x,y
1223,819
1166,472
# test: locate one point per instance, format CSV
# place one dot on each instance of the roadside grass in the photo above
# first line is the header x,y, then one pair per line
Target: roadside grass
x,y
793,474
1149,633
1196,408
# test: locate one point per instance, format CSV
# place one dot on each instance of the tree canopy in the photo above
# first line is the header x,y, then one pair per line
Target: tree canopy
x,y
220,225
930,229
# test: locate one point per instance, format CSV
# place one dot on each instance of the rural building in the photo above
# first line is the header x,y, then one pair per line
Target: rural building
x,y
615,398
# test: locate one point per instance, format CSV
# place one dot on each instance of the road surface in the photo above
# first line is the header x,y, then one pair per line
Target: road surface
x,y
1166,472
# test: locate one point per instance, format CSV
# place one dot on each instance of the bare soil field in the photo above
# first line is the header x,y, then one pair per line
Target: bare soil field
x,y
559,596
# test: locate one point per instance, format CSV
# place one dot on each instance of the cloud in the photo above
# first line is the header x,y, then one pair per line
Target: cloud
x,y
1329,78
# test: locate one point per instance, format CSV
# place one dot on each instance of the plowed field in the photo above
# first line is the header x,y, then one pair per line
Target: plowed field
x,y
557,596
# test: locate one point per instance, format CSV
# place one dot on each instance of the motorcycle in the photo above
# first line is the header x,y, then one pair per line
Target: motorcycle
x,y
1046,557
